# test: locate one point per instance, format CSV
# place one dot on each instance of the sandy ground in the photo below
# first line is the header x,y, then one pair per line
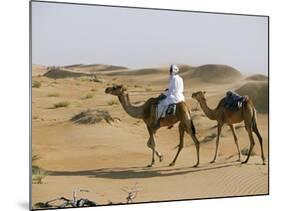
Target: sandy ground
x,y
106,158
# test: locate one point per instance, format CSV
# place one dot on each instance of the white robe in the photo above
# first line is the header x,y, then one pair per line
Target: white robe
x,y
174,94
175,91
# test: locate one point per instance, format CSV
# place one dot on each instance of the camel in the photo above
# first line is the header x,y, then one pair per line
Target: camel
x,y
146,113
223,116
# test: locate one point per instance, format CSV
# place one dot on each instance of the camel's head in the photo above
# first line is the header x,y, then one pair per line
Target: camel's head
x,y
198,95
116,90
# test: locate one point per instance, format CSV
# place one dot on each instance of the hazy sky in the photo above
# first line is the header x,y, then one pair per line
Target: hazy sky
x,y
64,34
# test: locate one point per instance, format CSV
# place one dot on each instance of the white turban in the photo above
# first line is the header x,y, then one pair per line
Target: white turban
x,y
174,69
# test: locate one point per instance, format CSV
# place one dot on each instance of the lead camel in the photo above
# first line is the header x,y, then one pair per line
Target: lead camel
x,y
146,113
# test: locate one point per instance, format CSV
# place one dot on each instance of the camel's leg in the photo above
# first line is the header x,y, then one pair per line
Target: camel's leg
x,y
252,142
197,145
217,142
180,146
256,131
236,141
152,146
191,131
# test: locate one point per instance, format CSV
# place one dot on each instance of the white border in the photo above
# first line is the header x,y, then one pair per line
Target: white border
x,y
14,46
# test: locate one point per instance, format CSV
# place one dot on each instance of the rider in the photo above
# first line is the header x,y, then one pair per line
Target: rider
x,y
173,95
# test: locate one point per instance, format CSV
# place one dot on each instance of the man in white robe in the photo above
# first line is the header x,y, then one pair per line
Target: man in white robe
x,y
174,95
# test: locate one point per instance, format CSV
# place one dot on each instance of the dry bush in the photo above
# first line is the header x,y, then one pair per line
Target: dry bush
x,y
53,95
91,116
36,84
112,102
87,96
85,78
209,138
38,174
61,104
245,151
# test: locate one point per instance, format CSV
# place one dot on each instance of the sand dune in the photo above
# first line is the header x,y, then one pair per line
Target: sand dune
x,y
90,68
214,73
140,72
258,92
257,77
58,73
38,69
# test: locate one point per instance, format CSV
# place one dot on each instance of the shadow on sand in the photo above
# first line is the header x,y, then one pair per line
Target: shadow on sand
x,y
143,172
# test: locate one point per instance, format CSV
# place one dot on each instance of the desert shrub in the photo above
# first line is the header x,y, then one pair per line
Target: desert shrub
x,y
53,95
93,90
84,78
38,174
36,84
76,104
245,151
209,138
87,96
92,117
38,178
61,104
112,102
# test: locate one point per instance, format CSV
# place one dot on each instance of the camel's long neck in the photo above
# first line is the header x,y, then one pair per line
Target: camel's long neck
x,y
133,111
210,113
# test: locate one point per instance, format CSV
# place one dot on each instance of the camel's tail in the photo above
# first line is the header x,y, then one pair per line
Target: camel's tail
x,y
193,128
254,118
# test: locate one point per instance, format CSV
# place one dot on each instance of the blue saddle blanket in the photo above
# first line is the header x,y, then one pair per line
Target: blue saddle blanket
x,y
234,101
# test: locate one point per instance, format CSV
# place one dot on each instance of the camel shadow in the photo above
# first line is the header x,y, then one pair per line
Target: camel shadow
x,y
141,172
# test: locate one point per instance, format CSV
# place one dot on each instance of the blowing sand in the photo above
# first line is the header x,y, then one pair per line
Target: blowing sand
x,y
107,157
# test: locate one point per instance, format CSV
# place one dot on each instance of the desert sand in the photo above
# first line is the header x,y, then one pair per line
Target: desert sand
x,y
107,157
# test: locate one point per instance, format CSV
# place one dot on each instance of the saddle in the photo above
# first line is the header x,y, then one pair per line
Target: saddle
x,y
234,101
171,110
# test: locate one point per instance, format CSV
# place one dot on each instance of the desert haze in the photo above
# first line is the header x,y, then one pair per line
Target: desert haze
x,y
83,138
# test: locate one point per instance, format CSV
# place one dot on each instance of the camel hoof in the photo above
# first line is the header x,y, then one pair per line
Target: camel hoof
x,y
244,162
194,166
149,165
172,164
161,158
213,161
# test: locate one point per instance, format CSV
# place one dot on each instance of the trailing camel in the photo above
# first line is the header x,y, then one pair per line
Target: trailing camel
x,y
224,116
